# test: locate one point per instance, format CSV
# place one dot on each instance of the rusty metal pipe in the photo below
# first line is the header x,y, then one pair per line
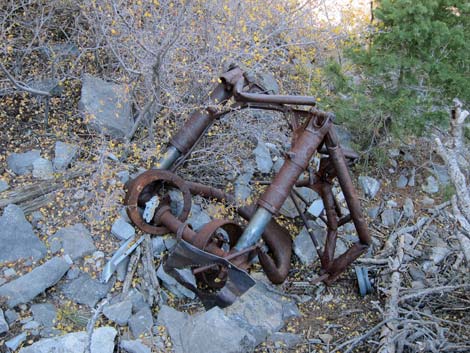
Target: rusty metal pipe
x,y
339,162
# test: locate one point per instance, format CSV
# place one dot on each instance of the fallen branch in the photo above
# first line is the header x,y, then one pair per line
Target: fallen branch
x,y
387,342
131,268
92,322
431,291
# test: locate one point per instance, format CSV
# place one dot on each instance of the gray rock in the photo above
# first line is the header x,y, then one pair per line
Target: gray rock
x,y
42,169
31,325
3,324
278,163
16,341
75,240
134,346
65,154
263,159
285,340
9,272
198,218
85,290
45,314
137,299
174,321
158,246
207,333
119,312
390,217
402,181
439,253
369,185
106,106
373,212
17,237
261,311
27,287
73,273
316,208
242,185
141,322
22,163
288,208
11,316
440,171
122,230
121,269
408,208
265,80
427,201
123,176
344,136
173,285
170,242
431,186
3,185
308,194
102,341
303,245
412,178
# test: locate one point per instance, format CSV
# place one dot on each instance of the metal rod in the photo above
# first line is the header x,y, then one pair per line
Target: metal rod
x,y
255,229
169,157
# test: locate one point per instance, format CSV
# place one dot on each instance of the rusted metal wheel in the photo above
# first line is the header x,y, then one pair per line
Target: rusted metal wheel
x,y
147,185
216,277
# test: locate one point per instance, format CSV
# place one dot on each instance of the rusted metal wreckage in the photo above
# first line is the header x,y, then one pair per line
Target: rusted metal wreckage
x,y
219,259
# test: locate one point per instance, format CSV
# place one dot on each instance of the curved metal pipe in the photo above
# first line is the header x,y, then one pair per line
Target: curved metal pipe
x,y
276,237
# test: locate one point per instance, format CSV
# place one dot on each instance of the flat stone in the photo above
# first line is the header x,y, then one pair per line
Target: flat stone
x,y
402,181
373,212
308,194
427,201
174,321
303,245
3,185
106,107
214,332
44,313
22,163
119,312
441,173
264,163
431,186
102,341
31,325
285,340
174,286
65,154
261,311
75,240
158,246
16,341
141,322
198,218
28,286
412,178
42,169
369,185
11,316
288,208
122,230
390,217
17,237
85,290
316,208
9,272
3,323
408,208
242,188
134,346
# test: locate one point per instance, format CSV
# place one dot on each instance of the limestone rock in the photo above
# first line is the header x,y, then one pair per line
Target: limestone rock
x,y
122,230
119,312
264,162
27,287
44,313
75,240
22,163
65,154
106,106
141,322
42,169
85,290
369,185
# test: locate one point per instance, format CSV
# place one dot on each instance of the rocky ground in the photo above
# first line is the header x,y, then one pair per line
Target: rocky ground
x,y
61,194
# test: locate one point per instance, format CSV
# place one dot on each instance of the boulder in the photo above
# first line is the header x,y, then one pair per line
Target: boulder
x,y
22,163
102,341
106,107
28,286
65,154
75,240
